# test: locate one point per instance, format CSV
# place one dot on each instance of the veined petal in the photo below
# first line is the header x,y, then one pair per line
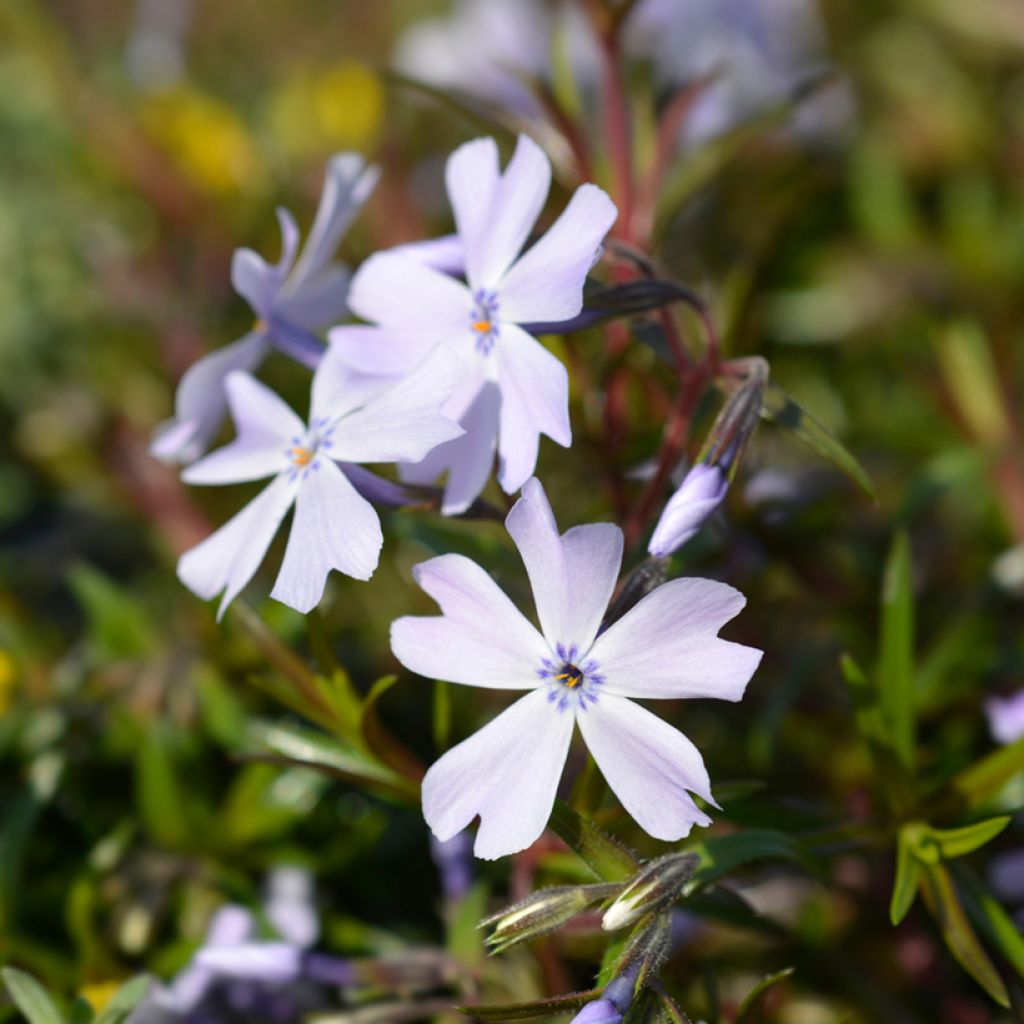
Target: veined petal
x,y
471,177
201,404
320,300
534,401
648,765
382,351
347,185
572,576
397,291
334,528
481,639
517,201
266,426
666,646
255,279
405,421
228,558
447,253
546,282
341,384
507,773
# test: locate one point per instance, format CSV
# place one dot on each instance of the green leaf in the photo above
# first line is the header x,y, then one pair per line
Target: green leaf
x,y
751,1009
960,938
607,857
124,1000
990,915
81,1012
781,409
669,1011
956,842
160,796
723,854
985,778
465,941
30,997
118,626
536,1008
16,828
907,882
896,651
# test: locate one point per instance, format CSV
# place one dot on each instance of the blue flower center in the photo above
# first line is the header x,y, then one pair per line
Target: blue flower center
x,y
572,680
483,320
304,450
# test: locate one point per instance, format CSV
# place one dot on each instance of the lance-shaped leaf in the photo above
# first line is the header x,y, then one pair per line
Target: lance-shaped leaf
x,y
985,778
907,881
991,917
658,884
31,998
782,409
607,857
956,842
896,651
535,1008
752,1007
124,1000
723,854
645,950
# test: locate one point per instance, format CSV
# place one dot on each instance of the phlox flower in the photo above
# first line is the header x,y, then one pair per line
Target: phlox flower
x,y
1006,717
703,489
292,299
515,389
666,646
334,526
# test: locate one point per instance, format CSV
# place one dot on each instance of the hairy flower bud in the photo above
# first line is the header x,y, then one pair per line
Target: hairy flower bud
x,y
659,883
542,912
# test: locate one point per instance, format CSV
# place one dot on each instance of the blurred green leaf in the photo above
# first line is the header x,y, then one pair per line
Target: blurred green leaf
x,y
124,1000
465,939
81,1011
31,998
118,624
265,800
15,829
985,778
907,881
991,917
783,410
160,796
608,858
223,714
944,904
896,651
956,842
536,1008
752,1007
723,854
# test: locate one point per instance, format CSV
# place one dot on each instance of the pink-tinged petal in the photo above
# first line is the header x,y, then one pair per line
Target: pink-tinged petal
x,y
320,301
334,527
699,495
517,201
398,291
468,459
201,404
573,575
266,427
258,282
347,185
404,422
382,351
649,765
534,401
507,773
546,282
229,558
471,177
666,646
481,639
446,253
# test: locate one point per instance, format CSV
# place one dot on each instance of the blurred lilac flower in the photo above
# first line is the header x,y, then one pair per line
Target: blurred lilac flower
x,y
666,646
334,526
292,299
516,389
454,861
613,1004
1006,717
703,489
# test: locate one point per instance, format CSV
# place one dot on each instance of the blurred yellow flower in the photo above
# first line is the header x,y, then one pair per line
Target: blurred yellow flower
x,y
8,679
99,993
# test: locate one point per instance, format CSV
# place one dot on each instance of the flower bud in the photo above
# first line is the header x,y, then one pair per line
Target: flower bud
x,y
543,912
659,883
701,492
610,1008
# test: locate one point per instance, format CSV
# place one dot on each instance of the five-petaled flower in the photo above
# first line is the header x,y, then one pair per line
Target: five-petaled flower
x,y
334,526
666,646
516,389
291,299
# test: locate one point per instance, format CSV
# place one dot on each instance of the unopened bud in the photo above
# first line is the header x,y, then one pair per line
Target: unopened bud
x,y
703,489
543,912
659,883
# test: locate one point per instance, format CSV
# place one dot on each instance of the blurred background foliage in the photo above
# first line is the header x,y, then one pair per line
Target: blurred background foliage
x,y
880,271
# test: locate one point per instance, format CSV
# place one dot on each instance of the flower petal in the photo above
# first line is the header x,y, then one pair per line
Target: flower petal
x,y
405,421
666,646
228,558
446,253
534,401
200,404
546,282
516,203
386,351
471,177
699,495
334,528
648,765
507,773
482,639
347,185
395,290
572,576
320,301
256,280
266,426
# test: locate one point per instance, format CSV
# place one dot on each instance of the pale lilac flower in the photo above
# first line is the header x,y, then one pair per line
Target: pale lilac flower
x,y
516,389
613,1004
1006,717
291,299
703,489
334,526
666,646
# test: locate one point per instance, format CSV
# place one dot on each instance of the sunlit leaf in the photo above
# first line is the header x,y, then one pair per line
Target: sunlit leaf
x,y
985,778
608,858
125,999
30,997
751,1009
907,881
896,651
955,842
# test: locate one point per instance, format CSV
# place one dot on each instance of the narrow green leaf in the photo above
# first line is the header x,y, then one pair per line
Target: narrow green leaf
x,y
870,723
15,830
956,842
985,778
124,1000
160,796
896,651
907,882
608,858
724,854
781,409
536,1008
943,902
752,1006
118,625
442,717
30,997
465,941
991,917
81,1012
669,1011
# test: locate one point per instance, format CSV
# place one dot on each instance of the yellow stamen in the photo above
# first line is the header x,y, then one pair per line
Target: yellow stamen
x,y
260,325
570,679
302,456
482,326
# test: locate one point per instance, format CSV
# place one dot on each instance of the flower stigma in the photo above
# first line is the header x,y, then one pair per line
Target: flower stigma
x,y
483,320
304,449
570,678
